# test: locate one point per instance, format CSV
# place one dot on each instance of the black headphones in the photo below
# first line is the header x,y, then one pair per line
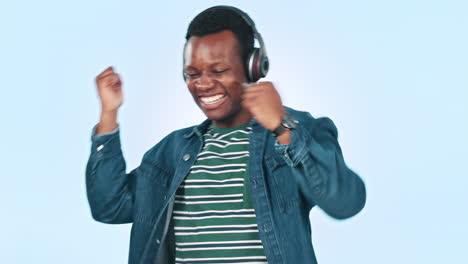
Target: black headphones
x,y
257,61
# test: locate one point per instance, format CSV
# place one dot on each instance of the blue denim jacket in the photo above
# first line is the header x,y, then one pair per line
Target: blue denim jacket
x,y
286,181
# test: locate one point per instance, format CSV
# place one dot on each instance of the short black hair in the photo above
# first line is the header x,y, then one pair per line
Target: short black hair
x,y
216,19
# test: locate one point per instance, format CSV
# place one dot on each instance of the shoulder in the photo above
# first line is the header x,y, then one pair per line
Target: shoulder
x,y
170,143
314,125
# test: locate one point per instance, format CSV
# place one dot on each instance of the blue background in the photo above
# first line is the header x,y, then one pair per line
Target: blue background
x,y
391,74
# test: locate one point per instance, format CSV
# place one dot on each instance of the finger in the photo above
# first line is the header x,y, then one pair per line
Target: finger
x,y
245,104
252,86
104,77
106,72
256,87
111,79
250,98
115,79
253,89
117,84
249,93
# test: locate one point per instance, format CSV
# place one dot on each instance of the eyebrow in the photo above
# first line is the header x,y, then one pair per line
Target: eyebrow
x,y
211,65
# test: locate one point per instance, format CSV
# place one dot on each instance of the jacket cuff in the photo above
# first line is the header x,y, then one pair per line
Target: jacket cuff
x,y
106,144
296,149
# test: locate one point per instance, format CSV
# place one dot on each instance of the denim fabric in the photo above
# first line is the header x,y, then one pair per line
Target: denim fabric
x,y
286,182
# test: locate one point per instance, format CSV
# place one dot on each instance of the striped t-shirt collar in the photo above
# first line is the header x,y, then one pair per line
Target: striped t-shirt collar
x,y
224,130
202,127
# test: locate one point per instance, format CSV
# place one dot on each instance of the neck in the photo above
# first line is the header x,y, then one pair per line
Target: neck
x,y
238,119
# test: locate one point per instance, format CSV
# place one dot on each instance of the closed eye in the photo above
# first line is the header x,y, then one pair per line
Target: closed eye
x,y
191,75
218,72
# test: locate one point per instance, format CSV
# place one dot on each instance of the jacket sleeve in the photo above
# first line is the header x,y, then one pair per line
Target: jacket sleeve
x,y
110,190
319,167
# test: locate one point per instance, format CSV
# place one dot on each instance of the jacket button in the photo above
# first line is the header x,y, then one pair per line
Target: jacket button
x,y
100,147
157,241
165,197
186,157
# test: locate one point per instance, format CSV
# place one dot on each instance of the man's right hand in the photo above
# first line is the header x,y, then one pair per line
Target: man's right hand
x,y
109,88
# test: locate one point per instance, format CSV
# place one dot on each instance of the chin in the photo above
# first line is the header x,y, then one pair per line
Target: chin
x,y
216,114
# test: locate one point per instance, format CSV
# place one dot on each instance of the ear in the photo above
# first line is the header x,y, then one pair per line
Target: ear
x,y
183,62
183,54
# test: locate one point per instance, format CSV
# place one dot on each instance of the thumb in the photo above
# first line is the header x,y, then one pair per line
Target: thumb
x,y
246,85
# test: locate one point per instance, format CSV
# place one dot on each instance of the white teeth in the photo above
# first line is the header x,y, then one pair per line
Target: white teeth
x,y
212,99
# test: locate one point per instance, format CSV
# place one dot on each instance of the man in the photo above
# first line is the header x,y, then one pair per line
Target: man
x,y
237,188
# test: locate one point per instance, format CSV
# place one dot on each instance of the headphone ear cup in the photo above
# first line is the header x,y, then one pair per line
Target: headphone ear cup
x,y
263,66
257,66
252,61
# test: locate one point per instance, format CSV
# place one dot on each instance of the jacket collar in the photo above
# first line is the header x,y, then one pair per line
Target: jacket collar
x,y
201,128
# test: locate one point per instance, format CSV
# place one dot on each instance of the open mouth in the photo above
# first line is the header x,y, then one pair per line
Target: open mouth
x,y
211,102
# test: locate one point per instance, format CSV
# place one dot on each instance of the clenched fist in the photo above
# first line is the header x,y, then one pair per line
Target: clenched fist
x,y
263,101
109,88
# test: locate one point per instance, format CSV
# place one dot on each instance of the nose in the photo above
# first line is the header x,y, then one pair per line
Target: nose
x,y
204,82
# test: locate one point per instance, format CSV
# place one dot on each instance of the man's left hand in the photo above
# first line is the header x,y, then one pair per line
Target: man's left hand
x,y
263,101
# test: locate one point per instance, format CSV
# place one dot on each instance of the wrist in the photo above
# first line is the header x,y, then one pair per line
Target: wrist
x,y
276,123
284,138
286,124
107,122
109,112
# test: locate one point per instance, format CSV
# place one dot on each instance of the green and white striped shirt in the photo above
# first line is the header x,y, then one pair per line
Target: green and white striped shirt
x,y
214,220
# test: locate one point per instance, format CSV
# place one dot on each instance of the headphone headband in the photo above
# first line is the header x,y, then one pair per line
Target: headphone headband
x,y
249,21
257,63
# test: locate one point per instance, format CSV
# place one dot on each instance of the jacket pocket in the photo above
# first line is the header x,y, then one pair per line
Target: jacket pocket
x,y
284,188
151,190
156,174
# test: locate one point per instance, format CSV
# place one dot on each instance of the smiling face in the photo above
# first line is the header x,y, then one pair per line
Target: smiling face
x,y
215,76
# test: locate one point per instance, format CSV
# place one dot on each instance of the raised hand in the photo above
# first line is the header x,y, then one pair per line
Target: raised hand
x,y
109,86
